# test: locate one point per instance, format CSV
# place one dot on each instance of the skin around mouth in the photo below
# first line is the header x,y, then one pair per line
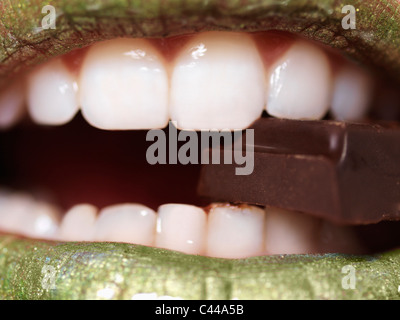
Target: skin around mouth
x,y
111,270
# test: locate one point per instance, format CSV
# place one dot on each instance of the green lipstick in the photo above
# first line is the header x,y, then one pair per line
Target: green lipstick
x,y
31,269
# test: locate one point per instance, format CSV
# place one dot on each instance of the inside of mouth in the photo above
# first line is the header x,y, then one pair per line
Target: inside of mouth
x,y
76,163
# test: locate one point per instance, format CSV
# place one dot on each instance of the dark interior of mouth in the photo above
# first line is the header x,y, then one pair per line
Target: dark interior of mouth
x,y
77,163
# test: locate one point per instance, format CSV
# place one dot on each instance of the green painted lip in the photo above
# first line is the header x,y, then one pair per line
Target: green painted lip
x,y
375,41
120,271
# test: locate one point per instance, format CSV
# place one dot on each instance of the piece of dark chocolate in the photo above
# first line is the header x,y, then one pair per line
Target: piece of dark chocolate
x,y
344,172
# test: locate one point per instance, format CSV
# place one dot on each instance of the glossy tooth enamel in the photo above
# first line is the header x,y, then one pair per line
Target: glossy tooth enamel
x,y
78,223
11,104
352,94
300,84
217,83
181,227
52,94
124,85
235,232
288,232
218,80
131,223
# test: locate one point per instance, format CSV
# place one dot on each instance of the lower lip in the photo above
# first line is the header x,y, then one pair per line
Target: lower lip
x,y
34,269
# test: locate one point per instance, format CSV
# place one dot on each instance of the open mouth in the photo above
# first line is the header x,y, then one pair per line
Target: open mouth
x,y
79,194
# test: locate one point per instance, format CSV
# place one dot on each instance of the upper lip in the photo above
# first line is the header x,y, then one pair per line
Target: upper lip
x,y
375,41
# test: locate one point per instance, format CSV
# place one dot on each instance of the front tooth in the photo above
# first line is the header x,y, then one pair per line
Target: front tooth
x,y
11,104
78,223
131,223
235,232
181,227
300,84
124,85
52,94
289,232
217,83
352,94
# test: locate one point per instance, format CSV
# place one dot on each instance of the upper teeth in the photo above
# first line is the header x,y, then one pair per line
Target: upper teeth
x,y
216,80
124,85
217,83
300,84
52,94
351,95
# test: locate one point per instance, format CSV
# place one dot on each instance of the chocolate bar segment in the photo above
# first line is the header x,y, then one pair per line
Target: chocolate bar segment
x,y
344,172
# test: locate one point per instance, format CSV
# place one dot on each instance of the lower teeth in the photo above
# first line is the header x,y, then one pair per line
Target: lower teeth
x,y
220,230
